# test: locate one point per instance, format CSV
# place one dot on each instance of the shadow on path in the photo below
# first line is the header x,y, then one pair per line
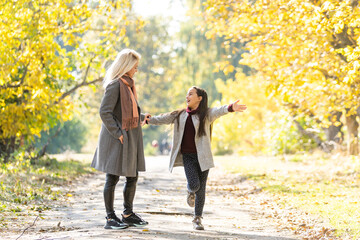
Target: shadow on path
x,y
161,200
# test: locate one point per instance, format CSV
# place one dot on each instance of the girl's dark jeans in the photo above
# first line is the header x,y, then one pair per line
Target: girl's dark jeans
x,y
196,180
128,193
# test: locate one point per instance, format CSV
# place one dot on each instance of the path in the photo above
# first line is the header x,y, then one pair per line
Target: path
x,y
161,200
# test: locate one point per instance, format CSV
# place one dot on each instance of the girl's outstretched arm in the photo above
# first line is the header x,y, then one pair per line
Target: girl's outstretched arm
x,y
166,118
216,112
238,107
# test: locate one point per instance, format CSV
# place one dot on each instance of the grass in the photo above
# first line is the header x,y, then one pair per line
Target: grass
x,y
325,186
28,189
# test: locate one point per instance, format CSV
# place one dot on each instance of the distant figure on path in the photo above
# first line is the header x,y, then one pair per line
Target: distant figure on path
x,y
120,149
191,146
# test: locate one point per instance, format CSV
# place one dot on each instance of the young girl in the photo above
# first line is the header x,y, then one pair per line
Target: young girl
x,y
191,143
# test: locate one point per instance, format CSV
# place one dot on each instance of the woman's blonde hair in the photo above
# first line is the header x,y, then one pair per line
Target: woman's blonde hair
x,y
124,62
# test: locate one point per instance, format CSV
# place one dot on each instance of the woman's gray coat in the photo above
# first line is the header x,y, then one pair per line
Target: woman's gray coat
x,y
203,143
111,155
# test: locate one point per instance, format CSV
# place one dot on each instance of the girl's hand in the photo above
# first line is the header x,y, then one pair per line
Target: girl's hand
x,y
121,138
239,107
147,118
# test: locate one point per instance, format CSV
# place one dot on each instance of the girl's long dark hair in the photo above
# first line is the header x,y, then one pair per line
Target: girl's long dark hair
x,y
202,110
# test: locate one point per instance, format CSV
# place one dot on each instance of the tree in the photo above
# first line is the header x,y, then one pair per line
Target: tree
x,y
49,49
70,135
306,52
248,131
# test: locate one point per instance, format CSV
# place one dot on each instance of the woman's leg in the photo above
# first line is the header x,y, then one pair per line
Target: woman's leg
x,y
109,192
129,217
129,194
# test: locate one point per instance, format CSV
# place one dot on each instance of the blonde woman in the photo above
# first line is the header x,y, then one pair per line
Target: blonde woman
x,y
120,147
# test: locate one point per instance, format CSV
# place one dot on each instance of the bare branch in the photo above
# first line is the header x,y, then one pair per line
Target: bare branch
x,y
43,149
3,5
313,136
88,69
76,87
27,228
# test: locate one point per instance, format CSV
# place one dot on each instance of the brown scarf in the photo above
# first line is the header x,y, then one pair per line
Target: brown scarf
x,y
129,110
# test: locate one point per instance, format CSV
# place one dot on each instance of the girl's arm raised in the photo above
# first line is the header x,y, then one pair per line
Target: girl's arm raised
x,y
238,107
166,118
217,112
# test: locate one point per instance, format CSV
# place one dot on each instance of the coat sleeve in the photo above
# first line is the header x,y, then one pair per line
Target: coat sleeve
x,y
142,117
216,112
166,118
107,107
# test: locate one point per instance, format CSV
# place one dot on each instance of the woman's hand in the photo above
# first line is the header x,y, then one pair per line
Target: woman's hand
x,y
121,138
147,118
238,107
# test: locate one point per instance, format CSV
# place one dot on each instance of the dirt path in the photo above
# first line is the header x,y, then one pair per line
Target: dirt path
x,y
161,200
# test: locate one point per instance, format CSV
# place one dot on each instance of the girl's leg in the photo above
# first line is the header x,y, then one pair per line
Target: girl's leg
x,y
200,194
196,184
129,194
191,167
109,188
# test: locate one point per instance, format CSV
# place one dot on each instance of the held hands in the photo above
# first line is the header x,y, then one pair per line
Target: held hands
x,y
239,107
147,118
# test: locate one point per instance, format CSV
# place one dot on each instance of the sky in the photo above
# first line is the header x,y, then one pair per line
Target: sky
x,y
174,8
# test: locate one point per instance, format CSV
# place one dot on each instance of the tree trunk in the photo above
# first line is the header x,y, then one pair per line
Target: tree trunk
x,y
332,133
353,140
7,147
313,136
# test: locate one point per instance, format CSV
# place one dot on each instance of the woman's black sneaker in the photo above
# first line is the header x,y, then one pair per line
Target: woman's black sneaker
x,y
134,220
115,223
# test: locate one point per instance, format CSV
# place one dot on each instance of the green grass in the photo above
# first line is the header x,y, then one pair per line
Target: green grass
x,y
328,187
29,189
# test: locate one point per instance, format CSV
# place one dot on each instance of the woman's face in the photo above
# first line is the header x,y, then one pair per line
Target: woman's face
x,y
192,99
132,71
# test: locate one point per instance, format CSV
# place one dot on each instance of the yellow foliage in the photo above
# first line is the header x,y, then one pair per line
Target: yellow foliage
x,y
243,131
306,52
44,53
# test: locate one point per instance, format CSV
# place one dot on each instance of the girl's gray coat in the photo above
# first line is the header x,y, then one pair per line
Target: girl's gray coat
x,y
203,145
111,156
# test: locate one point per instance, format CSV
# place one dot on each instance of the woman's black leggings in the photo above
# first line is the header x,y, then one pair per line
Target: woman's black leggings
x,y
128,192
196,180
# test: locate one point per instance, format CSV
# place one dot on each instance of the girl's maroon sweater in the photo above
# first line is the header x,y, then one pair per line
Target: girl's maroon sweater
x,y
188,141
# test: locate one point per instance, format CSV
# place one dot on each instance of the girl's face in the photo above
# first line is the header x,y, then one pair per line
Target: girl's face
x,y
132,71
192,99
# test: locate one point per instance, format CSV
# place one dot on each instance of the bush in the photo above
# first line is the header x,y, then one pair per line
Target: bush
x,y
286,139
72,136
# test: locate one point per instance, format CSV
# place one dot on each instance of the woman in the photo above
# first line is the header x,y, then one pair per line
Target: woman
x,y
191,143
120,148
